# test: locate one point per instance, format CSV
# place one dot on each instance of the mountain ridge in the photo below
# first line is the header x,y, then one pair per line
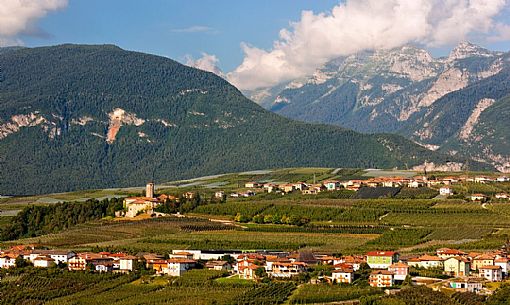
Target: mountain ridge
x,y
75,117
389,91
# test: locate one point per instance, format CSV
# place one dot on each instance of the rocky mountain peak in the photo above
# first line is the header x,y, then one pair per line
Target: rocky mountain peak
x,y
467,49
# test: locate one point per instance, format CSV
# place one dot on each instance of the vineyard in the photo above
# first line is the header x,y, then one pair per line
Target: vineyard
x,y
322,293
40,286
194,287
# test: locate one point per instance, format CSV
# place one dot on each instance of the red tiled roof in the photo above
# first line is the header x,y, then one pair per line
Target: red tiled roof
x,y
381,253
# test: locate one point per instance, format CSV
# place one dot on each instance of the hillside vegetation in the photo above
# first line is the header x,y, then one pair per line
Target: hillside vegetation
x,y
81,117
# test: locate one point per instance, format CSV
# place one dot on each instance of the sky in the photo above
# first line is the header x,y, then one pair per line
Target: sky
x,y
257,43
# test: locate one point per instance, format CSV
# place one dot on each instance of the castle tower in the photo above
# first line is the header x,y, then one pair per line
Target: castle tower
x,y
149,190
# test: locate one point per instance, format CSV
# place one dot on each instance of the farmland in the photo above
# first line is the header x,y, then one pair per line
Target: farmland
x,y
414,221
336,225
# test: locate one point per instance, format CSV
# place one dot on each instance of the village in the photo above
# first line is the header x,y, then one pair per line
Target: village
x,y
455,269
134,206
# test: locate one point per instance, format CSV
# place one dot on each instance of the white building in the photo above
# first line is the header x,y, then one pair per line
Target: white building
x,y
445,191
43,262
504,263
177,267
7,261
287,270
58,256
466,284
126,263
491,273
343,275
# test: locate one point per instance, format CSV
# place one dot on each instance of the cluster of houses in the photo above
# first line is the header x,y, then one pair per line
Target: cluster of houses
x,y
134,206
470,270
354,185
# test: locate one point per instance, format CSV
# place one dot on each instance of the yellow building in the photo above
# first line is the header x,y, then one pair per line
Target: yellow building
x,y
140,205
457,266
482,260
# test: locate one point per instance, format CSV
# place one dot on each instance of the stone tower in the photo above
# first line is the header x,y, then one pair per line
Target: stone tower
x,y
149,190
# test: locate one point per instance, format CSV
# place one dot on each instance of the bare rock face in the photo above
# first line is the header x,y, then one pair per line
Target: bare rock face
x,y
466,130
448,81
118,117
447,167
19,121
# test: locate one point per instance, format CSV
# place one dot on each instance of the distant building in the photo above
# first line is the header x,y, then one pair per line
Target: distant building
x,y
176,267
343,274
491,273
140,205
502,196
504,263
466,284
445,191
457,266
149,190
218,265
445,253
381,259
482,260
426,261
400,271
43,262
478,197
287,270
332,185
381,278
251,184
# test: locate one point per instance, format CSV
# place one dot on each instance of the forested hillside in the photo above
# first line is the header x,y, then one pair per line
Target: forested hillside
x,y
79,117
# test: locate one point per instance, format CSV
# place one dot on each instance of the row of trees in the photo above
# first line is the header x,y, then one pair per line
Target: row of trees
x,y
274,219
37,220
184,205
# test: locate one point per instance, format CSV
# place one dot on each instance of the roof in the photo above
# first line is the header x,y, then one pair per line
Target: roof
x,y
490,267
399,265
44,258
180,261
51,252
289,264
450,251
383,272
459,258
484,257
381,253
216,263
140,200
430,258
182,253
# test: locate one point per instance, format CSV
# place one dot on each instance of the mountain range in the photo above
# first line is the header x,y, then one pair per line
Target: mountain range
x,y
455,104
96,116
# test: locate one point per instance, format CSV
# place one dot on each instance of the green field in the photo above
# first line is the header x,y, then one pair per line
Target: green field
x,y
334,225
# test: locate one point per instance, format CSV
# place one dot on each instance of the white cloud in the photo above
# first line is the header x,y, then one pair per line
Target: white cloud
x,y
358,25
18,16
207,63
195,29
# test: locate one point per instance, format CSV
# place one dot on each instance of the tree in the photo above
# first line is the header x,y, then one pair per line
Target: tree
x,y
228,258
21,262
260,272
